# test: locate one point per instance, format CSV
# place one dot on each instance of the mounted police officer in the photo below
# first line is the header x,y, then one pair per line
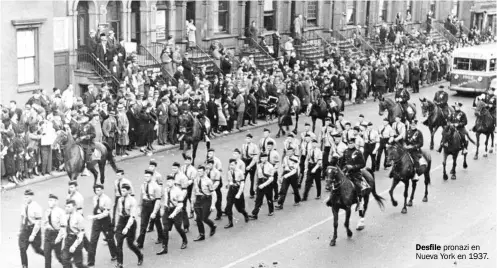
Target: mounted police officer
x,y
402,97
86,138
414,142
399,131
441,97
459,120
353,162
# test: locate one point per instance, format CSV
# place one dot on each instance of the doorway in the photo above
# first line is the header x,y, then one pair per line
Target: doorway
x,y
190,11
368,10
114,17
83,23
293,9
135,22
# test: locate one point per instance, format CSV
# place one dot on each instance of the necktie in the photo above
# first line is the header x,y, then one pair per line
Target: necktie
x,y
50,219
123,207
169,198
200,185
383,132
146,191
69,224
26,217
264,145
97,206
233,176
247,150
369,136
119,188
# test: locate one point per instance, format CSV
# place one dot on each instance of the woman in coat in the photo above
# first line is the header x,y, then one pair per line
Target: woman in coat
x,y
122,130
166,58
190,32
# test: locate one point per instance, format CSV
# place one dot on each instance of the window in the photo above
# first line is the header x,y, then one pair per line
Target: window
x,y
269,15
27,49
455,7
478,65
492,64
223,17
433,8
383,4
312,13
410,6
350,15
461,64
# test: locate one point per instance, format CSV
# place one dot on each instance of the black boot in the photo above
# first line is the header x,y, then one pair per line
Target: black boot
x,y
162,252
229,225
201,237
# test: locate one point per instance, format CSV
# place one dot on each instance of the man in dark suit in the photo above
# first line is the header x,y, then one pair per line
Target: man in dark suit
x,y
225,65
187,68
89,96
415,77
380,81
392,77
163,116
121,52
115,67
92,42
102,51
133,125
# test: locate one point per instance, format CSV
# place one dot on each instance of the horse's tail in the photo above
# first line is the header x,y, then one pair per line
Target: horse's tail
x,y
110,156
470,139
377,197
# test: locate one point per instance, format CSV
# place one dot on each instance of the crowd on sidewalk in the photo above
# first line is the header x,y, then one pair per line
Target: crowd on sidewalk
x,y
144,110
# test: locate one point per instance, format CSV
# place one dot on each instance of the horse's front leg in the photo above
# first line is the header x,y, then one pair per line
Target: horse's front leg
x,y
347,221
194,152
313,124
362,214
454,164
406,191
486,145
414,184
335,226
395,181
94,172
477,145
444,164
101,167
296,123
432,134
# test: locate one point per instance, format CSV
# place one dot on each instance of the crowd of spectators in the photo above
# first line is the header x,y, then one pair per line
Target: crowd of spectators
x,y
144,110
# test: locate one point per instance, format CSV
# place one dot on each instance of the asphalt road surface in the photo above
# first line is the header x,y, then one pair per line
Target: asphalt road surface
x,y
458,212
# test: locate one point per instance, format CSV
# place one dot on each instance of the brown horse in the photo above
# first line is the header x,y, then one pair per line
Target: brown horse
x,y
285,110
395,109
74,157
451,144
435,117
192,131
403,170
484,125
343,195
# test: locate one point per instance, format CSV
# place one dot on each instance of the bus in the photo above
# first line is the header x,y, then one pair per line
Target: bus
x,y
473,68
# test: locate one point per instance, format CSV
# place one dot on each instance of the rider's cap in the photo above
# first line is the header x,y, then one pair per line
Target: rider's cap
x,y
347,123
211,150
249,135
270,143
232,160
126,186
266,129
29,192
201,167
152,163
176,164
52,196
458,104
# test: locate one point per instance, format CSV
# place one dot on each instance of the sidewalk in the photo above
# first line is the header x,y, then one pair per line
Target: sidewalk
x,y
6,185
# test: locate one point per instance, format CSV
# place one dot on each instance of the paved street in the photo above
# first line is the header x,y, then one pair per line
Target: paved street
x,y
458,212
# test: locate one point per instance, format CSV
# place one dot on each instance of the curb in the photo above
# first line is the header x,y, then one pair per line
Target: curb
x,y
11,186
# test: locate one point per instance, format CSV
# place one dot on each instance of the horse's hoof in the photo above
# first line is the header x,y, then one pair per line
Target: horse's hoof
x,y
409,204
425,199
465,166
491,151
332,243
394,203
485,155
476,157
453,177
360,228
446,177
349,233
277,136
404,211
431,147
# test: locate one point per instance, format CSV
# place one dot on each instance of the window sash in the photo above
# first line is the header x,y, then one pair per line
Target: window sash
x,y
26,43
268,5
312,10
27,50
26,70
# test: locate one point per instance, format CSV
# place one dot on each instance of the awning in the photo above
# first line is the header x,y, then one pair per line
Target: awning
x,y
489,7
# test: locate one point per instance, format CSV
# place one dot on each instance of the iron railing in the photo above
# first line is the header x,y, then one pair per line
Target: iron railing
x,y
207,55
88,60
258,47
150,61
440,27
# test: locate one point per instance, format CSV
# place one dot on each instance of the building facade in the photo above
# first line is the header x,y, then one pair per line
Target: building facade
x,y
41,38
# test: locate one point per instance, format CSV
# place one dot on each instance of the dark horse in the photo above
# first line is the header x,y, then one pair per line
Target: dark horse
x,y
322,108
403,170
435,117
74,157
343,195
395,109
192,131
285,110
451,144
484,125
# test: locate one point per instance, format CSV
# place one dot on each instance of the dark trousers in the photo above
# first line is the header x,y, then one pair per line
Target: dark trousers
x,y
173,129
111,141
46,159
285,184
76,256
129,236
239,119
202,208
326,154
147,209
24,243
302,169
381,149
312,177
343,99
57,159
252,175
168,225
219,201
239,203
274,186
268,193
101,226
49,245
415,86
368,151
163,133
184,215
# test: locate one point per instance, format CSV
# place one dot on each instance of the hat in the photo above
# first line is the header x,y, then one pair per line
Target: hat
x,y
112,112
294,159
336,134
458,104
364,124
385,119
357,128
170,177
291,135
152,163
370,123
237,151
351,139
52,196
176,164
307,124
347,123
327,119
98,185
264,155
314,140
120,107
29,192
441,86
340,114
148,171
266,129
361,115
307,135
249,135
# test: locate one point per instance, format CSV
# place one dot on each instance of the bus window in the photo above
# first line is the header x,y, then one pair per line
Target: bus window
x,y
478,65
461,64
492,64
